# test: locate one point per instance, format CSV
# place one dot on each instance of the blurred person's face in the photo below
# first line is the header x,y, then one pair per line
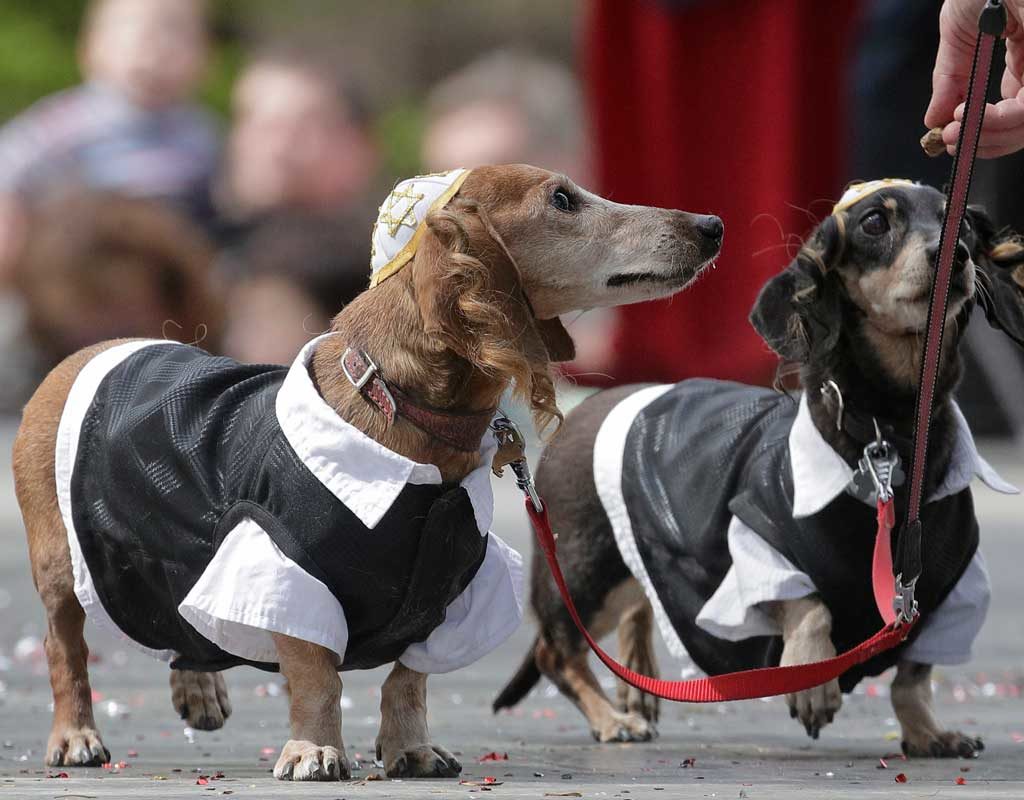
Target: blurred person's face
x,y
152,50
474,136
292,144
491,133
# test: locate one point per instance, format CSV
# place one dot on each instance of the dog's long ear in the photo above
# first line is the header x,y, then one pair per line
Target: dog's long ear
x,y
798,312
470,297
999,256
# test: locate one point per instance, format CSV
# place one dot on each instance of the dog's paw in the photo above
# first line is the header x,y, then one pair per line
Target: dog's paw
x,y
633,701
425,761
943,744
815,708
305,761
200,698
76,747
625,728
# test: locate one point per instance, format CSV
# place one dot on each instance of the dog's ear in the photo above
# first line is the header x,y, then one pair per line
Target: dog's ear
x,y
798,312
999,257
470,297
556,339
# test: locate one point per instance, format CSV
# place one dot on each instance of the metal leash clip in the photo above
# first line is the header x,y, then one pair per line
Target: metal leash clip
x,y
507,433
880,465
904,603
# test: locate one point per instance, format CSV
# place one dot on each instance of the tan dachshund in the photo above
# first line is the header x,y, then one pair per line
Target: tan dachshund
x,y
474,313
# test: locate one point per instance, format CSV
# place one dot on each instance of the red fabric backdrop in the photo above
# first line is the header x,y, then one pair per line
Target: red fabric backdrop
x,y
732,107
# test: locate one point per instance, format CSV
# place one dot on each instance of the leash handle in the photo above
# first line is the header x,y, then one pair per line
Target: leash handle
x,y
990,27
749,684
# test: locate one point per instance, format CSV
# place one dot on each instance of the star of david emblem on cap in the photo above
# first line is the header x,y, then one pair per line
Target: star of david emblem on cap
x,y
394,215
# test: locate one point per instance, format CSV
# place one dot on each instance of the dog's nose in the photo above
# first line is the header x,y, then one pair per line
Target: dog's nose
x,y
710,226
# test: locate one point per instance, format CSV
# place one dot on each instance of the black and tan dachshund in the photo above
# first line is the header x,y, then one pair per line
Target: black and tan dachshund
x,y
704,456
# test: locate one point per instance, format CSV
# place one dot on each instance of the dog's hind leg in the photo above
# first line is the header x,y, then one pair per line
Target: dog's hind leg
x,y
636,650
315,751
923,735
73,740
562,656
200,698
403,743
574,679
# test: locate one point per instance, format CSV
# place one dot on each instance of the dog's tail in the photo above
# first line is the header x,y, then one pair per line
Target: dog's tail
x,y
520,684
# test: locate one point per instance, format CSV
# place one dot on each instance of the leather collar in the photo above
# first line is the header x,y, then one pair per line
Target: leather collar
x,y
461,432
861,428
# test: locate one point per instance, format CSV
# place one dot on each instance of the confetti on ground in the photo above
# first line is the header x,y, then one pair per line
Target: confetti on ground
x,y
882,764
901,778
488,780
493,756
688,763
961,781
563,794
202,780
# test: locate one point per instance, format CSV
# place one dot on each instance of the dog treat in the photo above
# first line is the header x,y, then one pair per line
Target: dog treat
x,y
932,142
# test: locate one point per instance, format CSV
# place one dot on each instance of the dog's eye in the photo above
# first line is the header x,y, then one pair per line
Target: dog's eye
x,y
874,224
561,200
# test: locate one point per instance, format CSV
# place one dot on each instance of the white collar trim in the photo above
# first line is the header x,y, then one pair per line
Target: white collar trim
x,y
820,474
363,474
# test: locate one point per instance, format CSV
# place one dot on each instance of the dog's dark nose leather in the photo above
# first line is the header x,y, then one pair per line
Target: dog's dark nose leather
x,y
710,226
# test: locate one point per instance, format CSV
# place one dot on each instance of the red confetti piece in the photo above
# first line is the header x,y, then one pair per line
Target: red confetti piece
x,y
901,778
490,779
133,754
60,775
688,763
269,751
883,764
492,756
107,765
961,781
202,780
1017,737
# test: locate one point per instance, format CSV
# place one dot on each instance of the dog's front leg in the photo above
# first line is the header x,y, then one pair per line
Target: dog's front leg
x,y
923,735
807,637
403,743
315,752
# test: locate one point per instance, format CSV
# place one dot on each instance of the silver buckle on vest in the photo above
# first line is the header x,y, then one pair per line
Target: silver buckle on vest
x,y
904,603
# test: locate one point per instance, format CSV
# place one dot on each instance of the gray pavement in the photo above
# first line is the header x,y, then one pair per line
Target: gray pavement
x,y
749,749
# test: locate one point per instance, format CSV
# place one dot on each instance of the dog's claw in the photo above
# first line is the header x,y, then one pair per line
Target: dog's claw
x,y
429,761
948,744
77,747
305,761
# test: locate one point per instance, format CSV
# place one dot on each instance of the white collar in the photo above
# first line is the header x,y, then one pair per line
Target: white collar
x,y
360,472
820,474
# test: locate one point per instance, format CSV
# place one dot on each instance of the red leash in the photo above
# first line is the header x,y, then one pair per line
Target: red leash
x,y
749,684
895,599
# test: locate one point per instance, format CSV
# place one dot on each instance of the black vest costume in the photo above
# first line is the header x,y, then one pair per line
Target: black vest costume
x,y
179,446
706,451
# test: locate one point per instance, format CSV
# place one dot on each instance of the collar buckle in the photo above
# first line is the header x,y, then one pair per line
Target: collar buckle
x,y
367,376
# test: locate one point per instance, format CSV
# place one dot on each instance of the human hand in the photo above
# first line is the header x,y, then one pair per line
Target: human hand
x,y
1003,131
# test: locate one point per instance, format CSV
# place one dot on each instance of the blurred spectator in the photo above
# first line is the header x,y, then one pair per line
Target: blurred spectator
x,y
100,266
300,138
504,108
508,108
292,275
296,202
129,127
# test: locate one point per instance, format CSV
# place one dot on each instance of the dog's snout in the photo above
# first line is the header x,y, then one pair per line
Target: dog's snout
x,y
710,226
